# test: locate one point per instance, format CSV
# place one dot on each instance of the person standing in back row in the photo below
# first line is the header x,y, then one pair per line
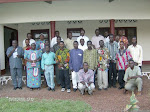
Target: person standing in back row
x,y
113,49
82,36
95,39
136,52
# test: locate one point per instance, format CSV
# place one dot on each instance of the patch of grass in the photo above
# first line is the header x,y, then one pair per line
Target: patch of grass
x,y
43,106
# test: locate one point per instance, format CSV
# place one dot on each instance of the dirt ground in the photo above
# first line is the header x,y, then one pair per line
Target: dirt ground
x,y
112,100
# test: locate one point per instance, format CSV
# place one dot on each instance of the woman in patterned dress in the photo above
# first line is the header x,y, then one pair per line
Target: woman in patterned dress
x,y
33,58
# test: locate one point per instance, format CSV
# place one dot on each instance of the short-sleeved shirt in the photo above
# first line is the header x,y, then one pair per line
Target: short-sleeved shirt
x,y
90,56
48,59
86,39
63,57
15,62
95,40
113,49
130,73
123,59
103,56
87,77
56,47
69,43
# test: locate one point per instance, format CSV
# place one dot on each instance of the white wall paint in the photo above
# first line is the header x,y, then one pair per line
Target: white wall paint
x,y
2,52
74,10
23,29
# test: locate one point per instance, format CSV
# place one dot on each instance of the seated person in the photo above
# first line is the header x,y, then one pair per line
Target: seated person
x,y
86,80
133,77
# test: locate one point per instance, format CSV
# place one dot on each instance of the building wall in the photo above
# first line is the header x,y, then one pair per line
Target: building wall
x,y
74,10
143,27
2,52
23,29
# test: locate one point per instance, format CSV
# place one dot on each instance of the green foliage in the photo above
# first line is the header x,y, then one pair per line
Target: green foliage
x,y
132,107
43,106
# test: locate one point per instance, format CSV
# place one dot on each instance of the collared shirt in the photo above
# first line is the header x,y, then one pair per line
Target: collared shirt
x,y
122,59
48,59
85,39
54,41
129,73
103,56
15,62
63,57
40,44
31,42
106,39
137,54
83,48
90,56
125,40
69,43
113,49
44,50
55,47
76,59
87,77
95,40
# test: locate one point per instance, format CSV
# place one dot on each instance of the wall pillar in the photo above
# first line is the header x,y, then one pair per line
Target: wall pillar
x,y
112,26
2,51
52,25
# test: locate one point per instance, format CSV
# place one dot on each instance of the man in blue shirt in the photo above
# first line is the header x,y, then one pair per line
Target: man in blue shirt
x,y
47,65
15,53
75,63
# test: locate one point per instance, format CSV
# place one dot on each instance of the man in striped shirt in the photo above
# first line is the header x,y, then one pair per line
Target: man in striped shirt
x,y
122,58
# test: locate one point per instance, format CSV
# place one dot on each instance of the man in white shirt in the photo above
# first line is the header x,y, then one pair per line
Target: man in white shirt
x,y
82,36
54,39
106,36
136,52
29,36
82,45
95,39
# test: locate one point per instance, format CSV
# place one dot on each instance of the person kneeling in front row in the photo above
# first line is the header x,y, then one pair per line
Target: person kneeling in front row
x,y
86,80
133,78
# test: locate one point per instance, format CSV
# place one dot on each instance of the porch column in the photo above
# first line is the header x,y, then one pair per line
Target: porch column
x,y
52,25
2,51
112,26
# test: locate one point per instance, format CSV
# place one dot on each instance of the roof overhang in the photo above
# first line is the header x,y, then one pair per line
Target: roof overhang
x,y
15,1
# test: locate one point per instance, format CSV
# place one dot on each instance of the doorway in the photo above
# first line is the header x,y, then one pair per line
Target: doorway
x,y
10,34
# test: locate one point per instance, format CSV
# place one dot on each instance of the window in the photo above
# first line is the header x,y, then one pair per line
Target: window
x,y
75,32
129,32
36,34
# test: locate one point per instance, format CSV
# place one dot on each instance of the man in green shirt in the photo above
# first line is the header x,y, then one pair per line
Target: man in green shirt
x,y
133,77
90,56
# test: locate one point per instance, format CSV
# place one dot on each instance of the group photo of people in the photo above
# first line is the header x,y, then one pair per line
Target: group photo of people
x,y
102,62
